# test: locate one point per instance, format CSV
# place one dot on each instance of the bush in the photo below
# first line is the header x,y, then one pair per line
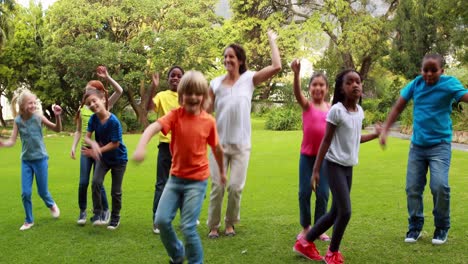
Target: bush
x,y
129,122
284,118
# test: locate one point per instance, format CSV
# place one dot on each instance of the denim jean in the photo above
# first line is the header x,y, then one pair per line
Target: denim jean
x,y
188,193
306,165
39,168
86,163
117,174
162,173
437,159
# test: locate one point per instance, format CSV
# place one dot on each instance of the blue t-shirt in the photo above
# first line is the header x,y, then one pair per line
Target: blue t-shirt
x,y
110,131
32,141
432,108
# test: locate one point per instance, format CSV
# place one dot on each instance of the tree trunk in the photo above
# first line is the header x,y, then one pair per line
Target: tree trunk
x,y
2,121
139,109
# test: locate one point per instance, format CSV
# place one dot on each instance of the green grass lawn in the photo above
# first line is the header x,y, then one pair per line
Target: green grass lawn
x,y
270,214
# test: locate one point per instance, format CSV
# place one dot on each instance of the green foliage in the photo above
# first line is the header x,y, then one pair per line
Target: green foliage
x,y
284,118
130,122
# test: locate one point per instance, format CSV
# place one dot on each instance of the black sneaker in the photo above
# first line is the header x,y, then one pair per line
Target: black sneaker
x,y
114,223
440,236
179,261
412,236
82,218
96,220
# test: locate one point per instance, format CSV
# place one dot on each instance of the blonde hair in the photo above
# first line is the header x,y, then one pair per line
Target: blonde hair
x,y
18,100
194,82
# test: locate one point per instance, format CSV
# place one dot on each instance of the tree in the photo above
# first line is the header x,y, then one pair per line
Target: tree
x,y
6,12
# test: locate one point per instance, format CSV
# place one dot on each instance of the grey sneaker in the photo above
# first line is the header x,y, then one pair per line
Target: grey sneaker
x,y
412,236
82,218
96,220
440,236
106,215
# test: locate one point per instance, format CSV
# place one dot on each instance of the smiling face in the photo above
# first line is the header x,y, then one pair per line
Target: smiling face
x,y
318,89
231,62
95,103
174,78
29,105
192,102
431,70
352,86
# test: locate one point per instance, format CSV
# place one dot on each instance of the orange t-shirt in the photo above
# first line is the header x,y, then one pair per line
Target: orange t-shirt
x,y
190,135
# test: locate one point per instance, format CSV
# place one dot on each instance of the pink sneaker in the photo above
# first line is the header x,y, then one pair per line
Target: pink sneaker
x,y
333,257
26,226
307,249
324,237
55,211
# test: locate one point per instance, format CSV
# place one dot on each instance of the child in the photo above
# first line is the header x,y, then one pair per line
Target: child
x,y
109,152
164,102
339,153
192,129
86,163
313,126
433,95
34,158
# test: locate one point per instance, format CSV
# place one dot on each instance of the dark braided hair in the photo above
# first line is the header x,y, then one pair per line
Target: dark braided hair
x,y
339,95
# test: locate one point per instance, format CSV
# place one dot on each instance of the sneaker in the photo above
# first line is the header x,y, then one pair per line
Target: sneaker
x,y
96,220
307,249
82,218
156,229
114,223
412,236
198,222
26,226
106,215
440,236
333,257
324,237
179,261
54,211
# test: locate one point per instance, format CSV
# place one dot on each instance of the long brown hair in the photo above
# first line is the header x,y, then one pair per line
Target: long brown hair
x,y
92,86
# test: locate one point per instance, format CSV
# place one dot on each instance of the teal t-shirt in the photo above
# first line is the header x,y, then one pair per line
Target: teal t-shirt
x,y
432,108
32,140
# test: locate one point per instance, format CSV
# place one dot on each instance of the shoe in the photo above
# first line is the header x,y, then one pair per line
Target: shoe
x,y
412,236
307,249
213,234
54,211
179,261
198,222
82,218
106,215
26,226
333,257
440,236
324,237
114,223
96,220
156,229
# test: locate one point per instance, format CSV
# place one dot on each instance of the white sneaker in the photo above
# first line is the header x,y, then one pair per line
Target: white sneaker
x,y
156,230
198,222
26,226
55,211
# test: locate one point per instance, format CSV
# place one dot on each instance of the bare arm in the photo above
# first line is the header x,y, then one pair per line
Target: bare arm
x,y
300,98
212,98
324,146
76,138
373,135
464,98
394,113
57,127
267,72
12,140
149,132
103,73
219,156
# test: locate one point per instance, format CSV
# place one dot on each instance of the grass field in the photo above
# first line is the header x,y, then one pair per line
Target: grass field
x,y
270,214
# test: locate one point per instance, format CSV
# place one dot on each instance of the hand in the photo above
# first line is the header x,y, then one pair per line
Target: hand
x,y
314,181
57,109
378,129
296,66
95,151
272,35
72,153
139,156
101,71
155,79
383,139
223,179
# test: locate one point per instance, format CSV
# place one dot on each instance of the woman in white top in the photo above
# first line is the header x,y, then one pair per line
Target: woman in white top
x,y
232,96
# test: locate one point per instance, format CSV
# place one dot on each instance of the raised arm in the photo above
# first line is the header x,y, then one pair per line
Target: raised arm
x,y
267,72
324,146
12,140
394,113
103,73
300,98
76,137
57,127
149,132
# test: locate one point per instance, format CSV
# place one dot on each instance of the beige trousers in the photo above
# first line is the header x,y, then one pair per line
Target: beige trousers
x,y
236,159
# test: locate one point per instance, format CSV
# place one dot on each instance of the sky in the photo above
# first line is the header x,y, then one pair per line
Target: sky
x,y
45,3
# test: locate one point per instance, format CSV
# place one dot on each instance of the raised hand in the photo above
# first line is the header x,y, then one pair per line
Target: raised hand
x,y
101,71
296,66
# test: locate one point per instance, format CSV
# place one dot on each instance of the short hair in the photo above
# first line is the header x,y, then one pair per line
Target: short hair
x,y
434,56
174,67
194,82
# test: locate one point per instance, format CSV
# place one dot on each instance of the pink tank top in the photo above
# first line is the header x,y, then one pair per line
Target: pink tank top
x,y
313,128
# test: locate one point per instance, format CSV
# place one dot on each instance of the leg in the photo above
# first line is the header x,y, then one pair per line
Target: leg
x,y
439,164
415,182
41,171
305,191
322,193
85,169
171,200
162,173
217,191
193,201
100,171
26,189
117,173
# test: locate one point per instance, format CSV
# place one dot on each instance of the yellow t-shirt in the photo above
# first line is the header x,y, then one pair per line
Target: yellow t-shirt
x,y
85,114
164,102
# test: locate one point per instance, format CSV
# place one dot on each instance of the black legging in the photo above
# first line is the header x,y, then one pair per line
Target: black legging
x,y
339,179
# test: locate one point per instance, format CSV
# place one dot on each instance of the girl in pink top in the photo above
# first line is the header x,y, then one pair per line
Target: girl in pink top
x,y
313,127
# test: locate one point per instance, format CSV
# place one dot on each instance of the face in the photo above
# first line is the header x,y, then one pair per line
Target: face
x,y
231,62
318,88
352,86
174,78
29,105
95,103
192,102
431,71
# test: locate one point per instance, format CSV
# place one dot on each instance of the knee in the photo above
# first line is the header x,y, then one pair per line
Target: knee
x,y
440,189
26,195
345,215
235,189
304,195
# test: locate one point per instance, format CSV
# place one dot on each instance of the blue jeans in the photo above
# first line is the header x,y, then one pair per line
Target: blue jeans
x,y
437,159
29,168
306,165
188,193
86,163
